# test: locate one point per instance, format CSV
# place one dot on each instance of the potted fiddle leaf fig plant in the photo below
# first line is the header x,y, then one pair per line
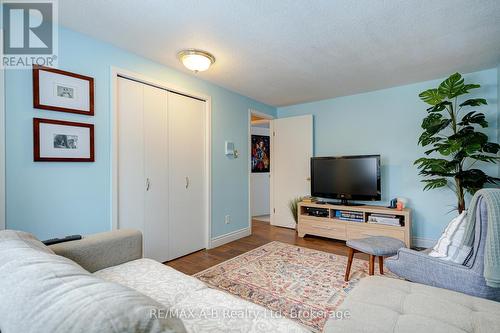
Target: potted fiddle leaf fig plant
x,y
451,134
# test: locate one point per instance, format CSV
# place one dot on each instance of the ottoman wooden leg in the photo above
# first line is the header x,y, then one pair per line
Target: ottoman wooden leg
x,y
349,264
371,268
381,264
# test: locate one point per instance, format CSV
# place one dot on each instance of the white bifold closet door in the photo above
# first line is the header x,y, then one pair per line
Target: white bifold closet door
x,y
187,214
156,195
161,169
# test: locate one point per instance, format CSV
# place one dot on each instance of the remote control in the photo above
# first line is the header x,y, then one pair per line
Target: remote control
x,y
61,240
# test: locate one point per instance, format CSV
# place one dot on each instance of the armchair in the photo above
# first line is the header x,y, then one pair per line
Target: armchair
x,y
468,279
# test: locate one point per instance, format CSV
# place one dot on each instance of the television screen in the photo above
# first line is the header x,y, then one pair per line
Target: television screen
x,y
346,177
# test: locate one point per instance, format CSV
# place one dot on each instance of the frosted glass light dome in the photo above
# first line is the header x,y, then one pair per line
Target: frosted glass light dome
x,y
196,60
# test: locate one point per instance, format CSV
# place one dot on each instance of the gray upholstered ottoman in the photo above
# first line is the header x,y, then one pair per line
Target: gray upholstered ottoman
x,y
375,246
379,305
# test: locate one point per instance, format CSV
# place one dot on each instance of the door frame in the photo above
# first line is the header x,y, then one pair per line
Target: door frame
x,y
115,73
249,160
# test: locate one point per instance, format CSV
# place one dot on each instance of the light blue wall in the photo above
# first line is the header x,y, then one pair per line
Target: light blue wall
x,y
387,122
56,199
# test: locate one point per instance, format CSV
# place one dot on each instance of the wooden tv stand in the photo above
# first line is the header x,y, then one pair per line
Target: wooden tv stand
x,y
332,227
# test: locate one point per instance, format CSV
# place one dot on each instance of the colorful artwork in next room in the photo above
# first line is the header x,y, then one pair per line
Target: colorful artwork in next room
x,y
260,153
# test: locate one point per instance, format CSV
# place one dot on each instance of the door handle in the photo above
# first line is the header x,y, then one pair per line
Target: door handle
x,y
308,179
187,182
148,184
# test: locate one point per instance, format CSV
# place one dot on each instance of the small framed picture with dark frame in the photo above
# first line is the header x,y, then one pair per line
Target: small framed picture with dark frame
x,y
57,90
260,153
62,141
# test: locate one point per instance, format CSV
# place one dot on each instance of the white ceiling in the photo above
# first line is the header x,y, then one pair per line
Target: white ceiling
x,y
284,52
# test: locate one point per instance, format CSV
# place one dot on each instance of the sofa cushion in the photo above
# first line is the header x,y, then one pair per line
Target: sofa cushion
x,y
21,239
160,282
43,292
201,309
380,304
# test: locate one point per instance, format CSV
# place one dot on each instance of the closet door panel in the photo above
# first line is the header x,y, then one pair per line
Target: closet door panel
x,y
130,155
156,171
186,177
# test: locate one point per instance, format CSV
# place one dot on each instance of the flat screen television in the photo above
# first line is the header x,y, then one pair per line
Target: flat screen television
x,y
346,178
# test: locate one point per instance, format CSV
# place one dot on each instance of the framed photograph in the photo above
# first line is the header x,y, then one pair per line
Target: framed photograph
x,y
57,90
260,153
62,141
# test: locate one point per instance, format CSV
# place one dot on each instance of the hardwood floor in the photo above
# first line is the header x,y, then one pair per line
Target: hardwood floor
x,y
262,233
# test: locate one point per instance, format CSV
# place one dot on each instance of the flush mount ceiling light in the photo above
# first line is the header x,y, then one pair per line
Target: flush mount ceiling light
x,y
196,60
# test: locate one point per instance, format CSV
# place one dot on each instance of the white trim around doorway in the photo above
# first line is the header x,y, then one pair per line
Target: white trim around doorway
x,y
249,158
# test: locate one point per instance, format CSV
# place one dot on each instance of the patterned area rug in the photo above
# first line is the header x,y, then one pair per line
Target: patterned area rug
x,y
302,284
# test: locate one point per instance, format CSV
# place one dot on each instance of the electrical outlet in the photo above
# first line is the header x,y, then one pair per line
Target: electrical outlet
x,y
227,219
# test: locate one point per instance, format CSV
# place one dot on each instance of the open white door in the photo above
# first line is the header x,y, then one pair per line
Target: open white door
x,y
292,149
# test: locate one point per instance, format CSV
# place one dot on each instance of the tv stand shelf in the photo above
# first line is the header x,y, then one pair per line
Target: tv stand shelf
x,y
332,227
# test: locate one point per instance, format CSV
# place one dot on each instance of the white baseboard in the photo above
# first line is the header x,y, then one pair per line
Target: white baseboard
x,y
230,237
423,242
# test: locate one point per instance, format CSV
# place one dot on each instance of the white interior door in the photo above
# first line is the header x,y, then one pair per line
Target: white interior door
x,y
292,143
156,174
187,213
130,155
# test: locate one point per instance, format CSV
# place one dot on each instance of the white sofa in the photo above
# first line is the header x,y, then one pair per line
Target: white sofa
x,y
113,289
44,292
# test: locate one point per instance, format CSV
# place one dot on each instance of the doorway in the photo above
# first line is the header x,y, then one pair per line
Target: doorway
x,y
281,172
259,140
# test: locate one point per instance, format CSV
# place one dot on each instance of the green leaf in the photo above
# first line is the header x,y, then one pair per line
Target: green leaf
x,y
434,123
424,139
431,96
434,183
430,151
474,118
449,147
431,120
470,141
492,180
474,102
439,107
462,133
474,142
472,179
451,87
491,147
472,191
427,138
468,87
485,158
438,166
